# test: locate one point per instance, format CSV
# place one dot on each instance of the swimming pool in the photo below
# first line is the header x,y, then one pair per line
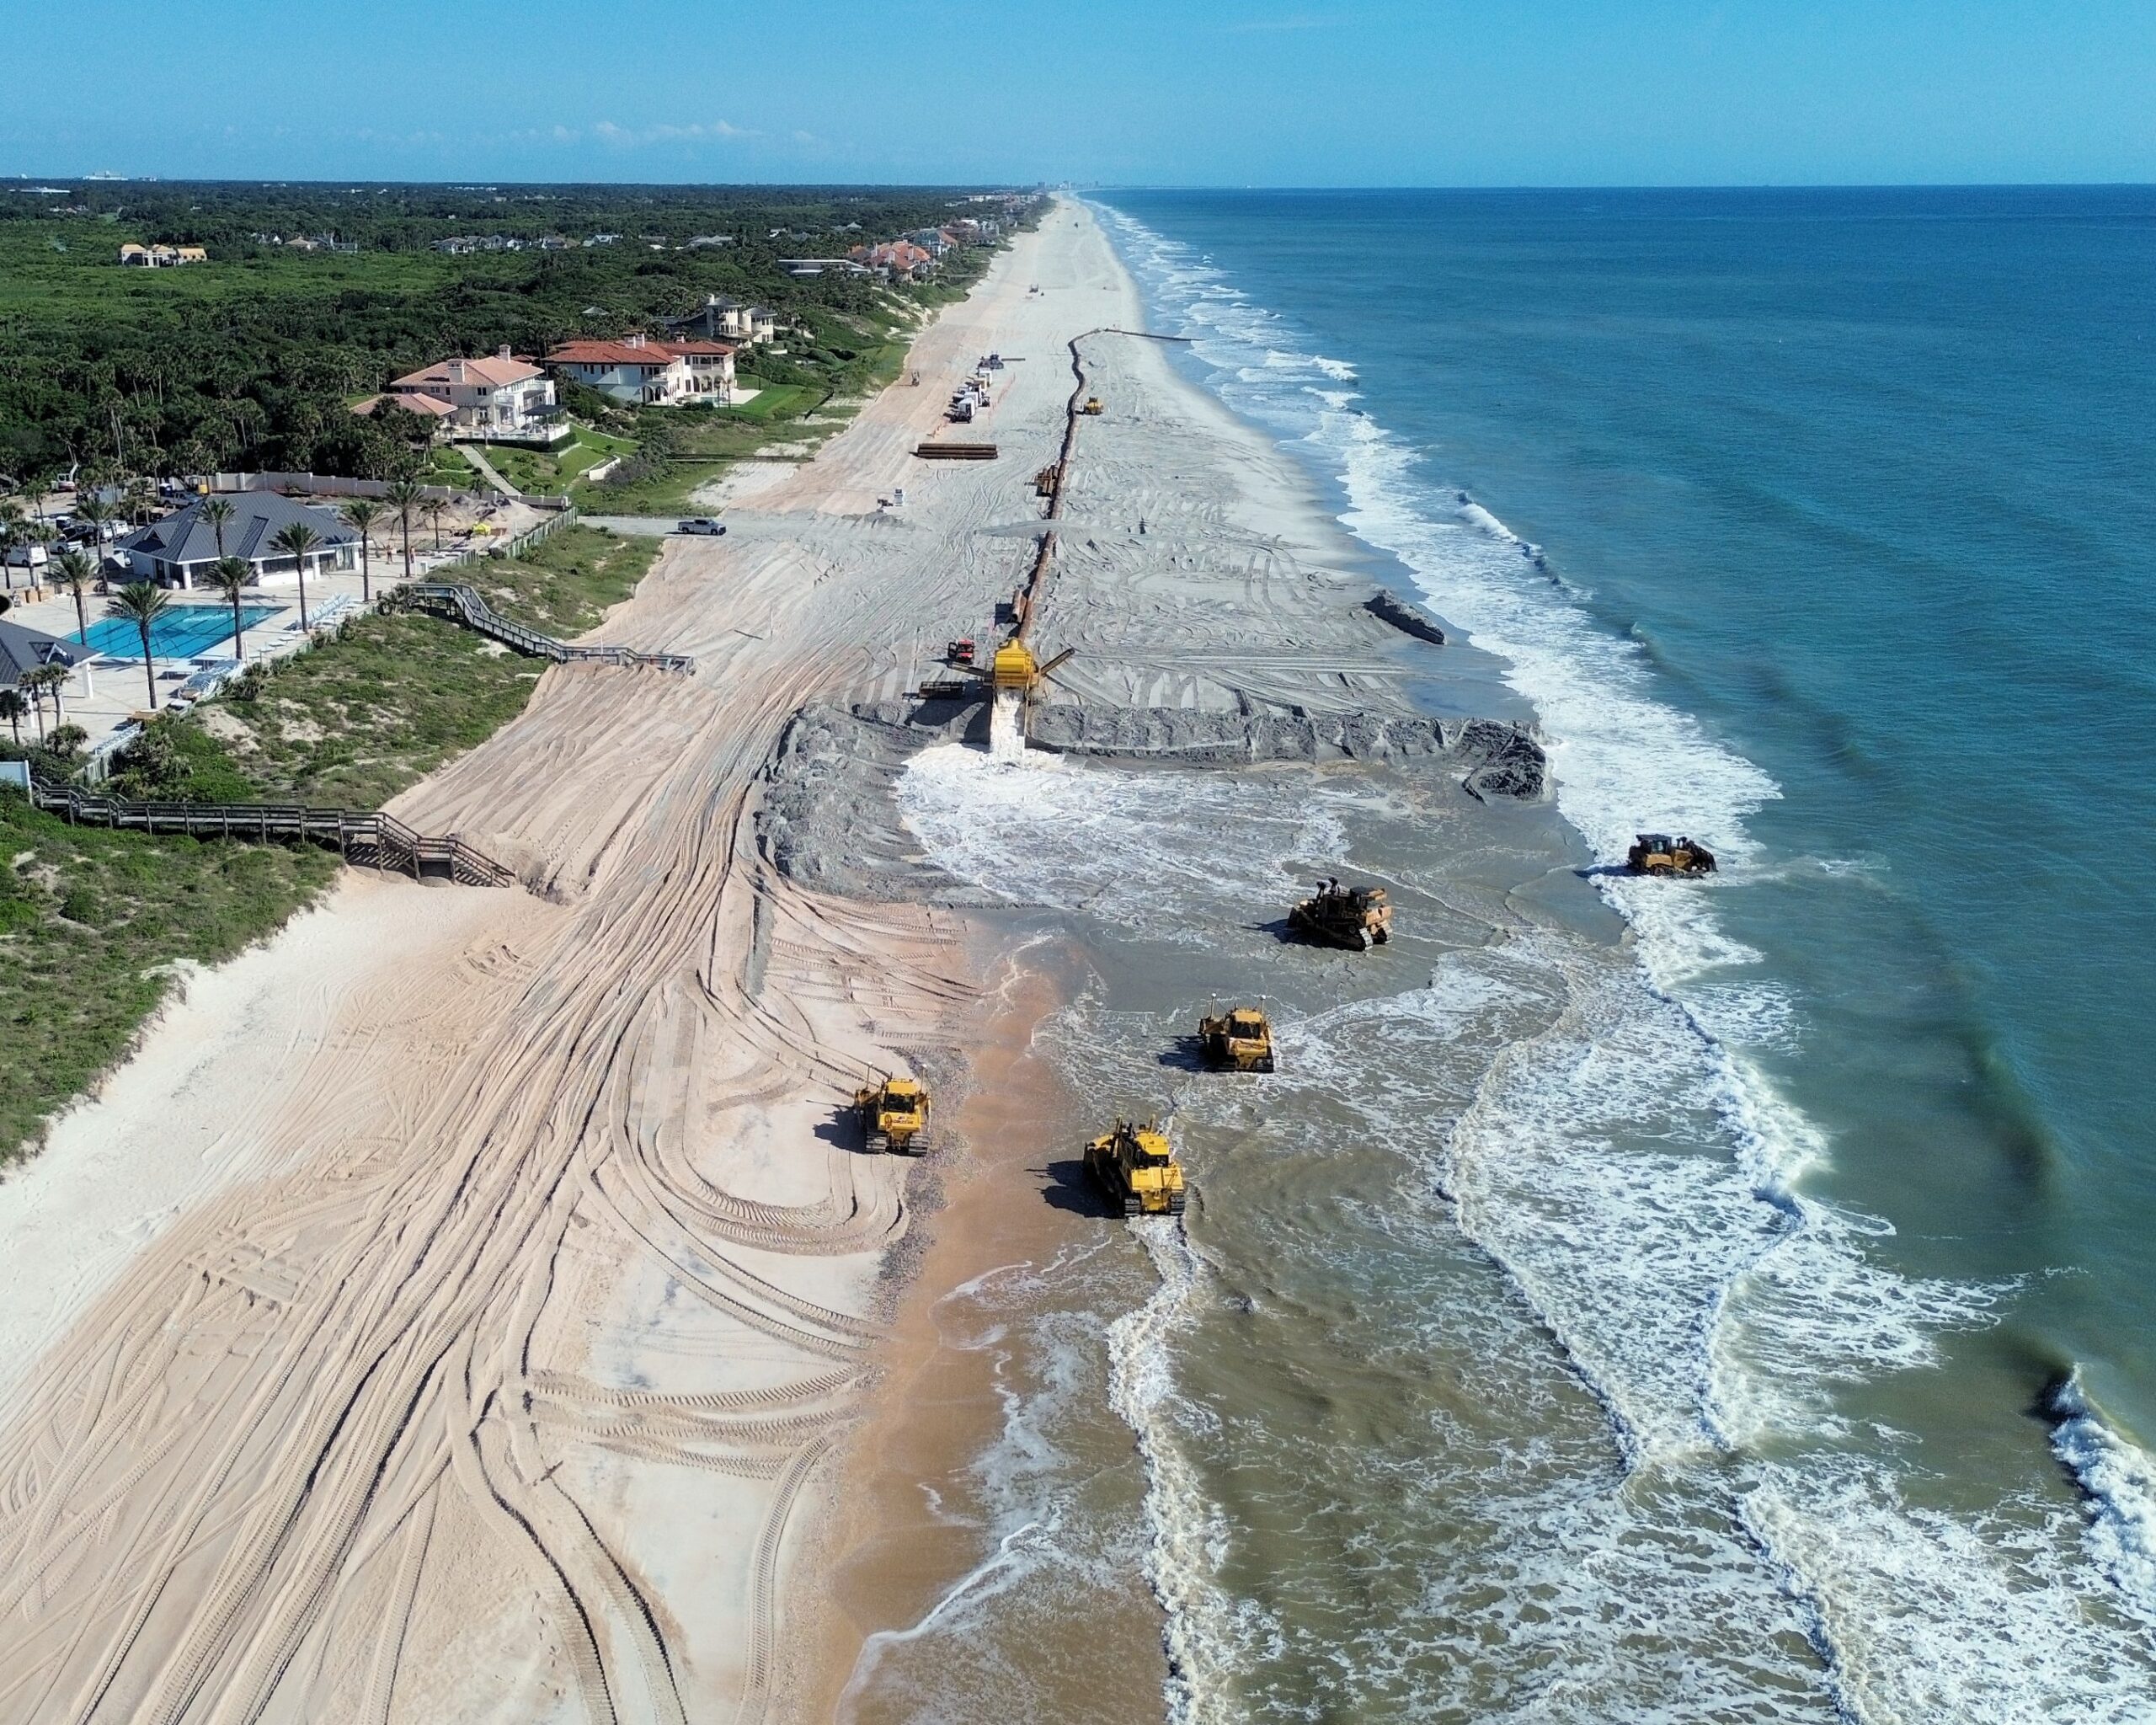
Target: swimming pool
x,y
183,632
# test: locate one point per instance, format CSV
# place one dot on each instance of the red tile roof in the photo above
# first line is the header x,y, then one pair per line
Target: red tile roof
x,y
655,355
493,371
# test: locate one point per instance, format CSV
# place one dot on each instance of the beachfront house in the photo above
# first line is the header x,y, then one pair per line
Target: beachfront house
x,y
501,399
634,369
711,368
718,318
177,551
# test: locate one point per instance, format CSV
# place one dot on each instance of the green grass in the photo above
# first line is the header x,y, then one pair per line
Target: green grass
x,y
708,441
394,697
88,917
773,401
88,923
550,471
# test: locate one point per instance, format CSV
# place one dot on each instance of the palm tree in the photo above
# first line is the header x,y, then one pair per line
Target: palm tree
x,y
359,515
45,680
141,604
13,707
99,514
229,575
434,508
216,511
404,499
76,572
297,541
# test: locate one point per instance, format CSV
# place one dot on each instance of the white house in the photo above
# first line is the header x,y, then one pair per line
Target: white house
x,y
502,397
634,369
711,368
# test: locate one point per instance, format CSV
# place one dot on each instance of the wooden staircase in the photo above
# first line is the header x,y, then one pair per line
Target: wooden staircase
x,y
461,604
367,838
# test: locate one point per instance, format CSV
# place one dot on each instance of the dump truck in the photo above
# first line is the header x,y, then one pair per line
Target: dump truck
x,y
1356,917
1136,1170
1237,1040
1092,407
1658,854
893,1114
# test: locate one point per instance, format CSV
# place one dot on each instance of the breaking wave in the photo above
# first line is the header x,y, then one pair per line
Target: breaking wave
x,y
1623,1158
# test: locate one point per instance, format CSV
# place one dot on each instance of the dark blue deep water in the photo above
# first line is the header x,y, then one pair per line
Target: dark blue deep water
x,y
1819,524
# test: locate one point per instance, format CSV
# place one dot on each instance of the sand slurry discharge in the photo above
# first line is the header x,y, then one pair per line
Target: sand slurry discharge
x,y
485,1368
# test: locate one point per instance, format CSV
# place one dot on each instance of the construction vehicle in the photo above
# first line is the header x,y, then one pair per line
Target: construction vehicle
x,y
1658,854
893,1114
1093,409
1044,483
1136,1170
960,651
1237,1040
1356,917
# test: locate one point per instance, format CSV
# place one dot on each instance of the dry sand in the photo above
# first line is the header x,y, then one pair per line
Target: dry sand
x,y
477,1365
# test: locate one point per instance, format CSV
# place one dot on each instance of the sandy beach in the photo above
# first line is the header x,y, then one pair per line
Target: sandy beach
x,y
494,1349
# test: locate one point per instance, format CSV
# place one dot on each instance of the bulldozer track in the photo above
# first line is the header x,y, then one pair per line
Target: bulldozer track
x,y
535,1210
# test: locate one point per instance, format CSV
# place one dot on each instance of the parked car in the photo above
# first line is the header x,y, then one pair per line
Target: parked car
x,y
27,556
701,524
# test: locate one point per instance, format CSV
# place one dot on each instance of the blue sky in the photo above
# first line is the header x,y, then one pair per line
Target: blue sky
x,y
1124,92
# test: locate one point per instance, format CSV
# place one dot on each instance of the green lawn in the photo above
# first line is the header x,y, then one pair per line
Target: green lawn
x,y
87,917
394,697
88,921
548,473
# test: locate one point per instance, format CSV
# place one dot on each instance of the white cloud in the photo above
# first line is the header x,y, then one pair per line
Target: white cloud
x,y
633,137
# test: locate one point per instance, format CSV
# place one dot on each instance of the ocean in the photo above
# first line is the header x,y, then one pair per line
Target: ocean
x,y
1744,1309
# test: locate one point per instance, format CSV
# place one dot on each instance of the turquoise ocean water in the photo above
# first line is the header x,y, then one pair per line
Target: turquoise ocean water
x,y
1818,525
1629,1302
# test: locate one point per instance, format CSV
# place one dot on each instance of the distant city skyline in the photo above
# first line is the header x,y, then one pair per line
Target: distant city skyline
x,y
1197,93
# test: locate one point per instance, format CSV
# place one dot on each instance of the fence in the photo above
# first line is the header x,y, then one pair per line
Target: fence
x,y
316,485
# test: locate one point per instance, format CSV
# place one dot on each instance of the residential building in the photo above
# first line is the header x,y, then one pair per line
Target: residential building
x,y
160,256
178,550
634,369
502,397
711,368
431,408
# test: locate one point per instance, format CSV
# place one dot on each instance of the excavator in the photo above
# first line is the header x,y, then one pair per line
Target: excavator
x,y
1356,917
1237,1040
893,1114
1136,1169
1658,854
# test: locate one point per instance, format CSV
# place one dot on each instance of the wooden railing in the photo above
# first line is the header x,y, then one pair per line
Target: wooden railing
x,y
462,604
367,837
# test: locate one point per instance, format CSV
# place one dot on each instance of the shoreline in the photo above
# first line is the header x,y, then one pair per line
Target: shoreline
x,y
1153,625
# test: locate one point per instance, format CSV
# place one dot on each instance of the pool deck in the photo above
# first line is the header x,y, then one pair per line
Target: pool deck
x,y
104,693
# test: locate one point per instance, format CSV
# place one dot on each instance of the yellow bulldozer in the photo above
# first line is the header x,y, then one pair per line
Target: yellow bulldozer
x,y
1356,917
1136,1170
893,1114
1658,854
1237,1040
1092,407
